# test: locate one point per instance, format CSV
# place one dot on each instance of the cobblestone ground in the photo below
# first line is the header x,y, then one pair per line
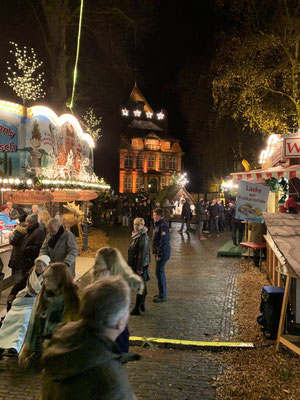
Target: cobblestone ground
x,y
201,291
200,306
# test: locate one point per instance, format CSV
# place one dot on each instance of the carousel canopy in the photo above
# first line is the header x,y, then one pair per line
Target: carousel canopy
x,y
289,172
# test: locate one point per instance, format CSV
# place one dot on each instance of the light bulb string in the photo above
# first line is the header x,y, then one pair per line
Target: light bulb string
x,y
77,57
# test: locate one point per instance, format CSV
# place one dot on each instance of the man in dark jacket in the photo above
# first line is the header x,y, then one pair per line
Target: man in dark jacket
x,y
83,360
186,215
201,216
162,250
32,242
214,215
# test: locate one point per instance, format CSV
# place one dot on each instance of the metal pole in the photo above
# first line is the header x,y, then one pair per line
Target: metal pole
x,y
85,244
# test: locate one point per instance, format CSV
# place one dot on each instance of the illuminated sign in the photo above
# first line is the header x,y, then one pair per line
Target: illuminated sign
x,y
291,147
28,197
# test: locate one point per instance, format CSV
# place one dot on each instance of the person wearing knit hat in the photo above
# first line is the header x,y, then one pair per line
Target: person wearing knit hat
x,y
32,242
19,304
45,259
32,219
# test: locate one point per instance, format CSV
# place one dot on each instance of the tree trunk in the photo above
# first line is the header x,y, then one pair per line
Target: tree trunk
x,y
57,14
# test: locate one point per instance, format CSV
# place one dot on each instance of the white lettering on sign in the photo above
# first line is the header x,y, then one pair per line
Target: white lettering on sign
x,y
292,147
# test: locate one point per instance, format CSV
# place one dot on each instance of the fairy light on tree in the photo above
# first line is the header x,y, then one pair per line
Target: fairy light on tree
x,y
91,124
23,76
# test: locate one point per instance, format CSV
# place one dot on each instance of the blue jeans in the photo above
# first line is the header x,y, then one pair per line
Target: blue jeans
x,y
161,277
214,223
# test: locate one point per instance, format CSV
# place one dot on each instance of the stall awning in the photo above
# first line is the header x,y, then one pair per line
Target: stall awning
x,y
290,172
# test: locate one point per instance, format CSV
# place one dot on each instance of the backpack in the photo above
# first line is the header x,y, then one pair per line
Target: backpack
x,y
270,308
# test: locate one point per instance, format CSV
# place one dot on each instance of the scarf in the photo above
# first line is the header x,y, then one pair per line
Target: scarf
x,y
53,240
136,235
34,285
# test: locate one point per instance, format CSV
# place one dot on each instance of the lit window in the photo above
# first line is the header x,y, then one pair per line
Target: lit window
x,y
167,145
162,162
151,161
127,182
162,182
172,163
152,144
139,182
128,161
139,161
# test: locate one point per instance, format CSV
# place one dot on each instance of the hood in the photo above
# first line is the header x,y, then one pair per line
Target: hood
x,y
21,229
75,348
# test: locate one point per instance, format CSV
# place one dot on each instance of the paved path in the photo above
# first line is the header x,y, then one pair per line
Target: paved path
x,y
201,291
200,306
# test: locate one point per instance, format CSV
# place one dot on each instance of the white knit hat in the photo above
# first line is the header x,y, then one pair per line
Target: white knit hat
x,y
45,259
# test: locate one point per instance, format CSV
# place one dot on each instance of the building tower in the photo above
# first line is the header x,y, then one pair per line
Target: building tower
x,y
149,156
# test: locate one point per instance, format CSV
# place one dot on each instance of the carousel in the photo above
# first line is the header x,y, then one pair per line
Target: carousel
x,y
45,160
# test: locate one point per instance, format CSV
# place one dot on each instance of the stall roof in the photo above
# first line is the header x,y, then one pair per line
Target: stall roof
x,y
289,172
285,232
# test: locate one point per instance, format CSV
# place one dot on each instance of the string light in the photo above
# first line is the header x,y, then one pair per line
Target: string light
x,y
149,114
91,124
182,180
137,113
77,57
24,82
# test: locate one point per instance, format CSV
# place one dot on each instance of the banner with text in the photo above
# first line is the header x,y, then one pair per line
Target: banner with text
x,y
251,201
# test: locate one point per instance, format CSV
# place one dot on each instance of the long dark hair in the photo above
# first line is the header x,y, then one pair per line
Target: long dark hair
x,y
69,289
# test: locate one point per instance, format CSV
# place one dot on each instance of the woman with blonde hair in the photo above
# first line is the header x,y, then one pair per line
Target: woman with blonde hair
x,y
43,219
110,262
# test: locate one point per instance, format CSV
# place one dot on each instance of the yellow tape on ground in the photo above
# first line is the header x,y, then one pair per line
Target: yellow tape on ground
x,y
191,342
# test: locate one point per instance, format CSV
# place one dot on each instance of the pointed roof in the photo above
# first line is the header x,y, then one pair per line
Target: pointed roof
x,y
136,95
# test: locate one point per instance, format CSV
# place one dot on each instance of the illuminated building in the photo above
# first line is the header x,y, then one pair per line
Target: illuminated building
x,y
148,154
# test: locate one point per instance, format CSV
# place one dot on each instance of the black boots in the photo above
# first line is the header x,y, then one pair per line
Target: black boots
x,y
139,304
138,301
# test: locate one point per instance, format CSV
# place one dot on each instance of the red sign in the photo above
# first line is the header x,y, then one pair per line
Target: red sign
x,y
65,196
28,197
291,147
85,195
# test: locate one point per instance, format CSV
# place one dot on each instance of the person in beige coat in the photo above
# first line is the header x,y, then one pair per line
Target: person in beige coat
x,y
60,245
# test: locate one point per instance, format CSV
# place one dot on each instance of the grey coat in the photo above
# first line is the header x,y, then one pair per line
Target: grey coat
x,y
65,250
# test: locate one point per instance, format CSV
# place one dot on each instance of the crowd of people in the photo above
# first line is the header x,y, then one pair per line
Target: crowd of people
x,y
81,342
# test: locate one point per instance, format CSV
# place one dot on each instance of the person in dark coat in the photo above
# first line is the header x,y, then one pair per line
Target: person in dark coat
x,y
132,214
200,216
139,260
214,215
236,225
144,212
162,250
222,215
186,215
83,360
16,240
32,242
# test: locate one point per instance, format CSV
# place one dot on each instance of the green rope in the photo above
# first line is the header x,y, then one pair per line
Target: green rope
x,y
70,105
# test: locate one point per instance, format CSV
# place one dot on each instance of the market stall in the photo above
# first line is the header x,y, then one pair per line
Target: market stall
x,y
46,160
283,238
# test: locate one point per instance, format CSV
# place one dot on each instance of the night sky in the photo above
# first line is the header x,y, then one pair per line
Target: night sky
x,y
172,37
